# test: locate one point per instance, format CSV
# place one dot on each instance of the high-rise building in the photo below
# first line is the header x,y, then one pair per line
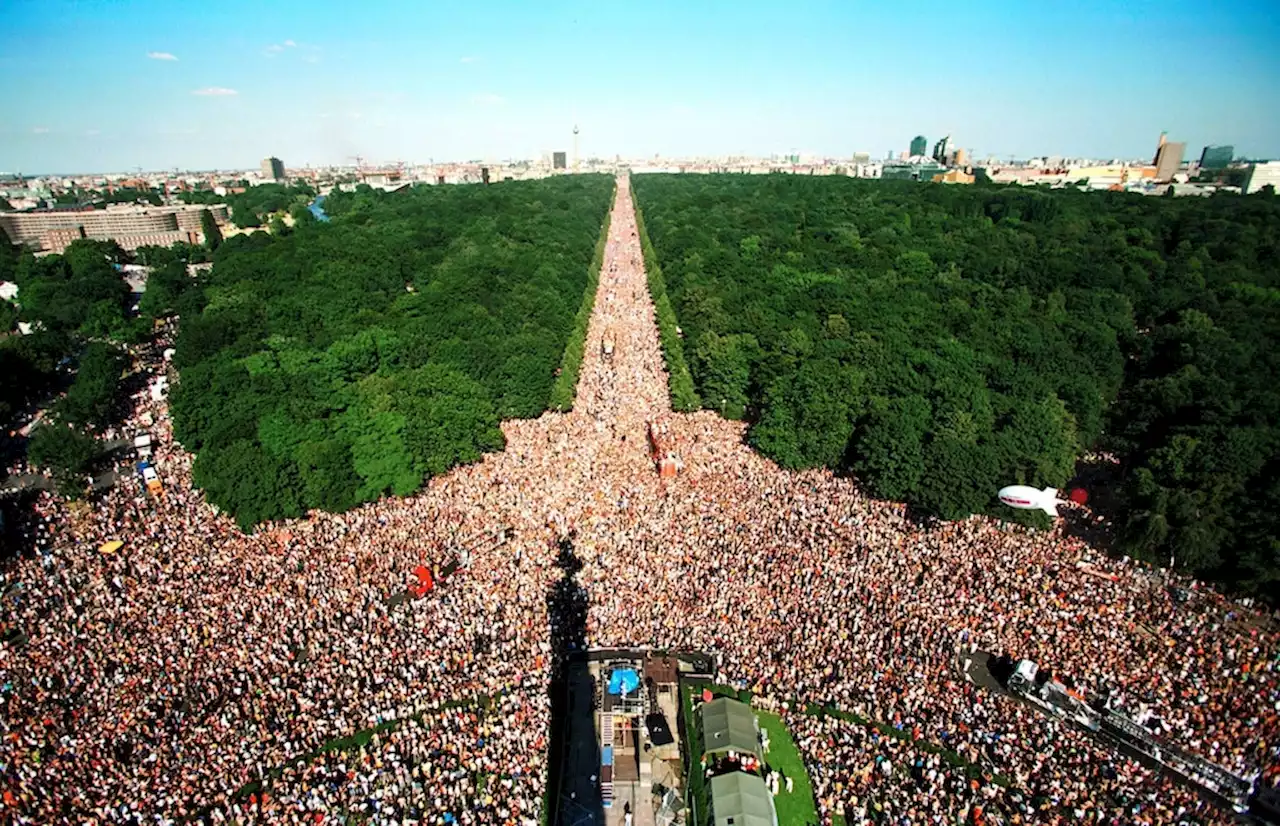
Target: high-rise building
x,y
1216,157
1262,174
941,149
273,169
919,145
558,160
962,157
1168,159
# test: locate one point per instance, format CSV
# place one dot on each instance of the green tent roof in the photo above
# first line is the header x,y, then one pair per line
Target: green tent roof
x,y
741,799
728,724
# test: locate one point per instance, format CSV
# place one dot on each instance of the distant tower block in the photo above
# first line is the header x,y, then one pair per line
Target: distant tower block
x,y
575,147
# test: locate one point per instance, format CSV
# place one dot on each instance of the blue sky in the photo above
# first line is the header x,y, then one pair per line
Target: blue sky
x,y
99,86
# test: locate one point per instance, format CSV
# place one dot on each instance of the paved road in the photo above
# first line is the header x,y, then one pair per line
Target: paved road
x,y
38,481
619,393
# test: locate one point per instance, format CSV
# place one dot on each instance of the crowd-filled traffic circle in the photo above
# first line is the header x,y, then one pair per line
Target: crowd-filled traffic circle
x,y
197,672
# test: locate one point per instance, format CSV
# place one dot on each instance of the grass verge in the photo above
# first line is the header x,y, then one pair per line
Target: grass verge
x,y
795,808
683,395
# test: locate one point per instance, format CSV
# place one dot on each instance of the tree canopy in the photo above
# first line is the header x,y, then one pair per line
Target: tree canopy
x,y
943,341
80,309
254,206
357,357
68,453
90,401
79,292
127,195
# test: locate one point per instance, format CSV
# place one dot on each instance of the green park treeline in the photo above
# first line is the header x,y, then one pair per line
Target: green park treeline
x,y
566,383
940,342
350,359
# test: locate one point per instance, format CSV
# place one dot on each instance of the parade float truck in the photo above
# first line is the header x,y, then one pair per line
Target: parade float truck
x,y
150,478
1138,738
662,447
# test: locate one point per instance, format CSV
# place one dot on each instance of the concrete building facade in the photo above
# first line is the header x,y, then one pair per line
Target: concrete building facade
x,y
1168,159
129,226
273,169
1262,174
912,172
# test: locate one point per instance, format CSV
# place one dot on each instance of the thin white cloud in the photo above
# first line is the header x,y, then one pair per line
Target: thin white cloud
x,y
92,132
214,91
39,130
488,99
290,43
469,59
273,50
161,56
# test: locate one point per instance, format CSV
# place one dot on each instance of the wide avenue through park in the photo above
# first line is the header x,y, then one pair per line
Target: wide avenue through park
x,y
426,658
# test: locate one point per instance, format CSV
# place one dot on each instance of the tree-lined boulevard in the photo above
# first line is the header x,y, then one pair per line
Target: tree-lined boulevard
x,y
153,682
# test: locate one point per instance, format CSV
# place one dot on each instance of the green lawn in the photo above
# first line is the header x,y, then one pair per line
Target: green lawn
x,y
796,808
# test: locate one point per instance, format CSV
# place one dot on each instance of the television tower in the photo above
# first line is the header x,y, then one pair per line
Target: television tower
x,y
575,147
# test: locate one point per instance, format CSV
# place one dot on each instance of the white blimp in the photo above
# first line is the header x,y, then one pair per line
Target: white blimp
x,y
1028,498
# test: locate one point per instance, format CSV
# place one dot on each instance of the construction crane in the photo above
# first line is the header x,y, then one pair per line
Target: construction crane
x,y
359,159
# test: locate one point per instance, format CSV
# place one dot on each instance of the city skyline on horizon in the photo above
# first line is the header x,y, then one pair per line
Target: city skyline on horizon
x,y
374,164
153,86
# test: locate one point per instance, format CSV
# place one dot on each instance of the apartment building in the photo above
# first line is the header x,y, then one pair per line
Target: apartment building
x,y
128,225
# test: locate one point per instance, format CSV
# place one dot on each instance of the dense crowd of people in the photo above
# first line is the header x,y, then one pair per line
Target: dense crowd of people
x,y
199,672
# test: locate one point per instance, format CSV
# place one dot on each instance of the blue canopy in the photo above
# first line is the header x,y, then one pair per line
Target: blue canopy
x,y
623,681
